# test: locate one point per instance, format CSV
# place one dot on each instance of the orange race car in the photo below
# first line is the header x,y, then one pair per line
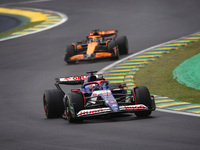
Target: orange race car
x,y
99,44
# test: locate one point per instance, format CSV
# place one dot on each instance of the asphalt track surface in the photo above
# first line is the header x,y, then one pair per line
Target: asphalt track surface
x,y
29,64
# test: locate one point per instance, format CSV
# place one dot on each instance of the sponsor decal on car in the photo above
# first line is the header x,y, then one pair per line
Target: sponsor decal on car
x,y
112,102
92,111
133,107
75,78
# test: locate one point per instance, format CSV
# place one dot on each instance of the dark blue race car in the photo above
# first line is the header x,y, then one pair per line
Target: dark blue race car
x,y
95,97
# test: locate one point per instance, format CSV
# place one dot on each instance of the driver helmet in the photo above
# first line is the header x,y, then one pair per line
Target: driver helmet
x,y
94,86
90,40
97,39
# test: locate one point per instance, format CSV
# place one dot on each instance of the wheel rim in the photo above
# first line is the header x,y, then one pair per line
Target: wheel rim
x,y
66,108
117,52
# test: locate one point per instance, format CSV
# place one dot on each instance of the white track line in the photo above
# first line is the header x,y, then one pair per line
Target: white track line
x,y
178,112
135,54
25,2
119,61
64,19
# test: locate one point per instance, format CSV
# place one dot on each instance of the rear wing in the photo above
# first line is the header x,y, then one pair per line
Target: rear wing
x,y
71,80
78,79
106,33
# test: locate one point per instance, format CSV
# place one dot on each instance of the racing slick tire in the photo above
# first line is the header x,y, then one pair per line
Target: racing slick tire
x,y
113,48
70,51
74,102
143,97
53,103
122,43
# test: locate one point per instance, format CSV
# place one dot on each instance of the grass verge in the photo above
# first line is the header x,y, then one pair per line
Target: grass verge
x,y
158,75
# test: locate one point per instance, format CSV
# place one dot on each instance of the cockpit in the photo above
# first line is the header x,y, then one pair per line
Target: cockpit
x,y
97,85
95,39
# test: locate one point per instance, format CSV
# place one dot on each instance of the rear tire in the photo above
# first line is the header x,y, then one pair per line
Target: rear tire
x,y
143,97
74,102
53,103
122,43
70,51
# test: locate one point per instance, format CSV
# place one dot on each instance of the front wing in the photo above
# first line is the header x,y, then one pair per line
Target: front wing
x,y
83,57
107,110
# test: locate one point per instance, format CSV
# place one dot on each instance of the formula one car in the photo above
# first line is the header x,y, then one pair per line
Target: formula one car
x,y
95,97
99,44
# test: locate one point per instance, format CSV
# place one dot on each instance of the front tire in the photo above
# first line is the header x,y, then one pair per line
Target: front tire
x,y
143,97
53,103
74,102
70,51
122,42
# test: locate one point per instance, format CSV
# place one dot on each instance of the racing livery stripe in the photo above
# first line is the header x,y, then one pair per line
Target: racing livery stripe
x,y
124,72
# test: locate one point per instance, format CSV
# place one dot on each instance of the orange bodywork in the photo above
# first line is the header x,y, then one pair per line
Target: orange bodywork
x,y
104,32
79,46
92,42
74,45
103,54
91,47
107,42
115,50
77,57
